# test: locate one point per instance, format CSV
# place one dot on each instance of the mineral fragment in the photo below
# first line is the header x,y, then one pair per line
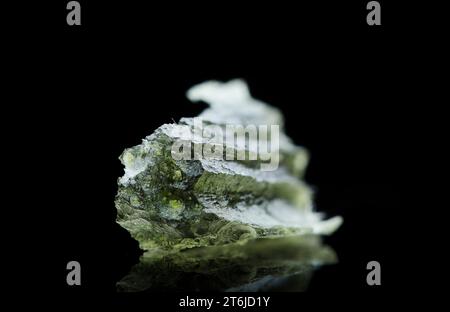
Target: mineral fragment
x,y
168,203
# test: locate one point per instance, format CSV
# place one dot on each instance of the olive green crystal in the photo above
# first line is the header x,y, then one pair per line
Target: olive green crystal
x,y
176,204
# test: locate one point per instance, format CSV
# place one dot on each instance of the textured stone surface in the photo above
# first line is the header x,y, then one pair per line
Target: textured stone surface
x,y
173,204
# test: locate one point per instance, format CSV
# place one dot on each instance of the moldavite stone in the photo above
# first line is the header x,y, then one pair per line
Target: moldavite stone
x,y
172,205
213,224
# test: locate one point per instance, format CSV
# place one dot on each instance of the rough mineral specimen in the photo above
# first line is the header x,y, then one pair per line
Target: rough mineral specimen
x,y
168,203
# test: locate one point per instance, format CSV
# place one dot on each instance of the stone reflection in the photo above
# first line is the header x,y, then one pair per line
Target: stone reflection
x,y
265,264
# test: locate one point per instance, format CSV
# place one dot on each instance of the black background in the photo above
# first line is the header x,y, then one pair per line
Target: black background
x,y
340,83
